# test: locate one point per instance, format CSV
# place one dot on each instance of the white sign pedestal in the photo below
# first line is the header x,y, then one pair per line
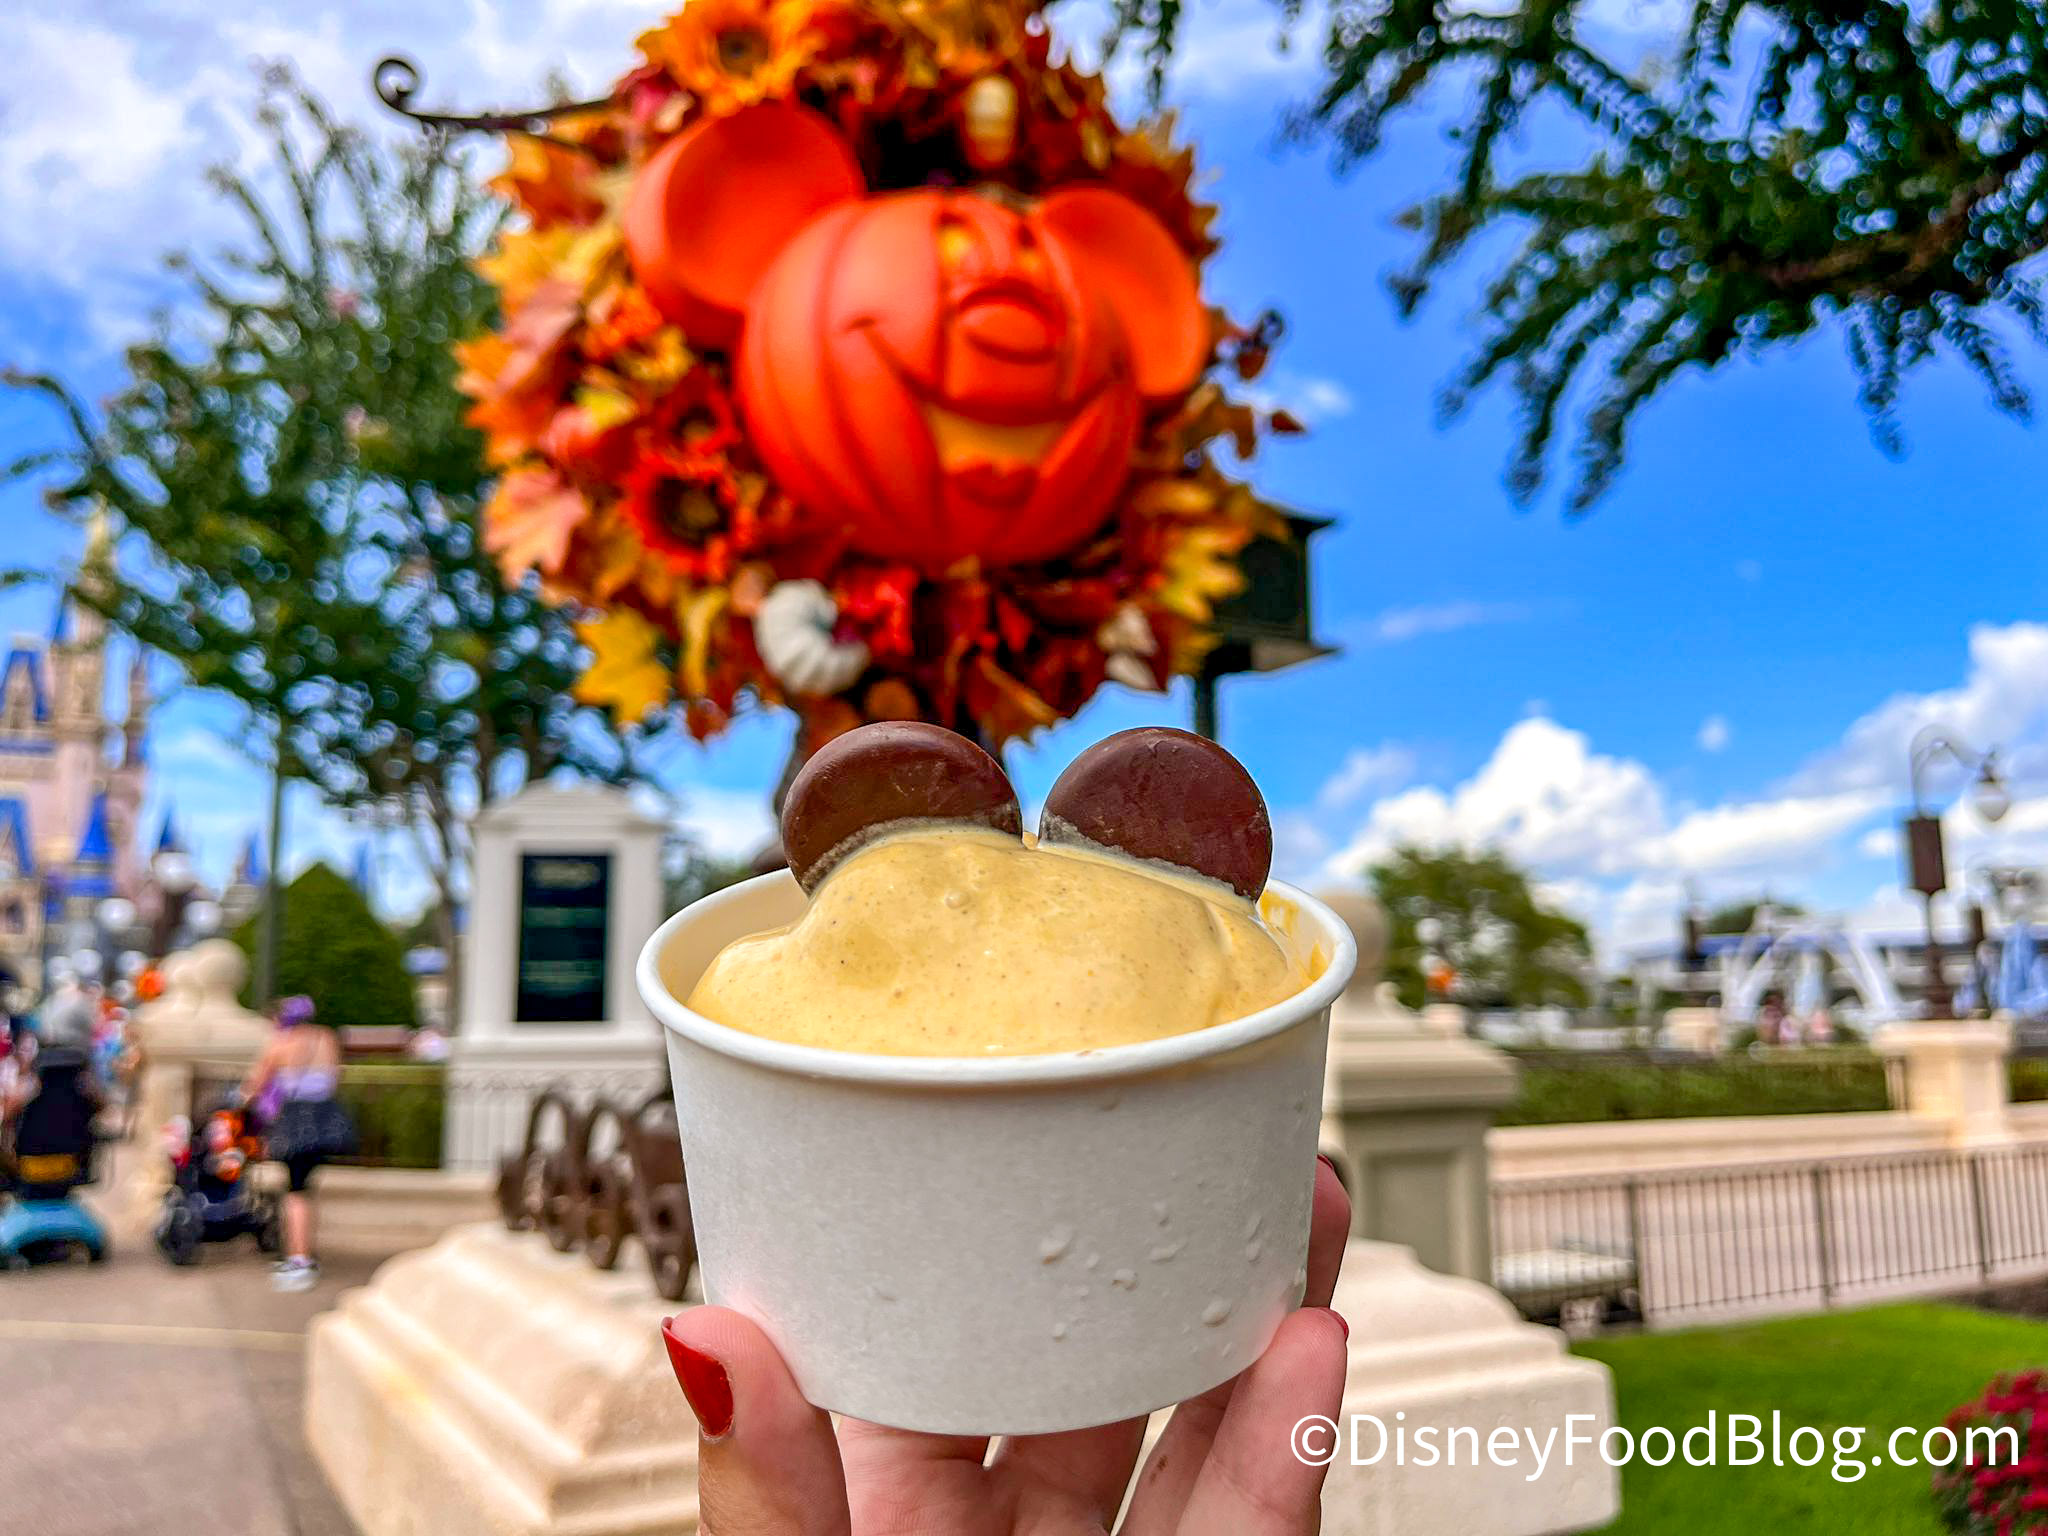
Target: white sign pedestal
x,y
566,887
1407,1103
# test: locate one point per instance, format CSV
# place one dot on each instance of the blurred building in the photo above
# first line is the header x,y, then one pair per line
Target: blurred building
x,y
72,781
1864,977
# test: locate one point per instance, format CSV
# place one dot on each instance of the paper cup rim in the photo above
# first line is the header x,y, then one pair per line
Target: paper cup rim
x,y
1110,1062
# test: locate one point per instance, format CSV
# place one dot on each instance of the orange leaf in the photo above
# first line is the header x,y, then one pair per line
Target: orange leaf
x,y
530,521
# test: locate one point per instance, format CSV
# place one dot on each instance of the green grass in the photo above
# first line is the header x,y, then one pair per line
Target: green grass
x,y
1878,1369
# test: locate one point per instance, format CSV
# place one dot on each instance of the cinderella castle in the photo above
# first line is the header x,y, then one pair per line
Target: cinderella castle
x,y
72,783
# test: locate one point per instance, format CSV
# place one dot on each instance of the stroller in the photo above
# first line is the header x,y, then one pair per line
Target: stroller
x,y
211,1198
54,1144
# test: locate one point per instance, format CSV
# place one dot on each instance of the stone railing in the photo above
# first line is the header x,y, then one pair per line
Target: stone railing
x,y
590,1177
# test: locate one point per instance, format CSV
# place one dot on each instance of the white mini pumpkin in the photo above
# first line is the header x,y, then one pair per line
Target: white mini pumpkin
x,y
793,633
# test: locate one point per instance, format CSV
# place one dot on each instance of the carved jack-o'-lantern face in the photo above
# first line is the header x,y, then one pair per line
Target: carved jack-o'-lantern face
x,y
947,374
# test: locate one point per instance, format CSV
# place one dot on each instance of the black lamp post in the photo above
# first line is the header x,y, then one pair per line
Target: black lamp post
x,y
1926,863
1265,626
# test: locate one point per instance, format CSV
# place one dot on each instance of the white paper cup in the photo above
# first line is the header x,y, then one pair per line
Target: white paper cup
x,y
1001,1245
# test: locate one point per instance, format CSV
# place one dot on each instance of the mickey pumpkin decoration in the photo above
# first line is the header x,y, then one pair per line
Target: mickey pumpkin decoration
x,y
951,375
873,308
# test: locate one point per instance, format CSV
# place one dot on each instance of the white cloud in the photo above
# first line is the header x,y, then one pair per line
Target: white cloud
x,y
110,116
1758,835
1309,398
1890,909
725,823
1228,49
111,110
1394,625
1363,771
1714,733
1601,833
2002,701
1544,797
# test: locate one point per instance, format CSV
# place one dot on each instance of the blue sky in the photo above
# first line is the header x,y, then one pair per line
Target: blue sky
x,y
1709,683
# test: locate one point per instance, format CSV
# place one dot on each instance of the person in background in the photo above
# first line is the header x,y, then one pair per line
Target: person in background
x,y
1771,1019
428,1045
14,1087
300,1072
67,1016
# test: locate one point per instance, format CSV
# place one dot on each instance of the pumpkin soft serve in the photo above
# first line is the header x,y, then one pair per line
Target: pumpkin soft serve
x,y
959,942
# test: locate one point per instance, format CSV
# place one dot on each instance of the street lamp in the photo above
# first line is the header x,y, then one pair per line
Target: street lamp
x,y
1926,864
175,881
1264,626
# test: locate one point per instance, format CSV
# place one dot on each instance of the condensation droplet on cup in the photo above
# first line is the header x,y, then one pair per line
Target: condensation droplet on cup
x,y
1112,1101
956,899
1252,1227
1125,1280
1092,1260
1160,1213
1300,1283
1059,1330
1054,1245
1217,1312
881,1294
1165,1252
1252,1250
1081,1292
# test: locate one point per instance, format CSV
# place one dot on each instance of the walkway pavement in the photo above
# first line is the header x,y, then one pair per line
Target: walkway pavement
x,y
138,1397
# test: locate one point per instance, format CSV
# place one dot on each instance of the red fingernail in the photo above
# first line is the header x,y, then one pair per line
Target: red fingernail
x,y
1330,1163
1340,1322
704,1383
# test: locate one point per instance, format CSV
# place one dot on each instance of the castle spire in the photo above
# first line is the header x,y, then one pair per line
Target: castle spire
x,y
135,726
249,867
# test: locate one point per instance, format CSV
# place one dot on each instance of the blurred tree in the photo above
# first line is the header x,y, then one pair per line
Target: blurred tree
x,y
290,461
689,873
1881,165
335,951
1505,948
1740,916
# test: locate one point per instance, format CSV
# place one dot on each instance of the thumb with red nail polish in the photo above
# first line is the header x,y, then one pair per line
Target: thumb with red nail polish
x,y
767,1461
704,1383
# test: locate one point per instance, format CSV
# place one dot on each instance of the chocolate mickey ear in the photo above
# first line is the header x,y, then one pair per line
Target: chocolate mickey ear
x,y
1167,797
881,777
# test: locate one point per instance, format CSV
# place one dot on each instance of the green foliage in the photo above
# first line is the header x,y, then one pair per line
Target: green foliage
x,y
1877,1369
694,874
334,950
1881,167
1506,948
1787,1083
1740,916
2028,1079
289,463
398,1109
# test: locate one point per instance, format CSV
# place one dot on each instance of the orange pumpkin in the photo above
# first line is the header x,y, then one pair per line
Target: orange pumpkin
x,y
950,375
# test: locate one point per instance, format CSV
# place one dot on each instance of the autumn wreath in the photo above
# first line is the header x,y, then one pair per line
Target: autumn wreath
x,y
853,358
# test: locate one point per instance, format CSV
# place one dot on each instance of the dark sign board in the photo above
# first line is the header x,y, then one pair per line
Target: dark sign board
x,y
564,937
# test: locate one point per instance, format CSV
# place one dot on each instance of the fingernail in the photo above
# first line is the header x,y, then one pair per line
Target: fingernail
x,y
1329,1162
1340,1322
704,1383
